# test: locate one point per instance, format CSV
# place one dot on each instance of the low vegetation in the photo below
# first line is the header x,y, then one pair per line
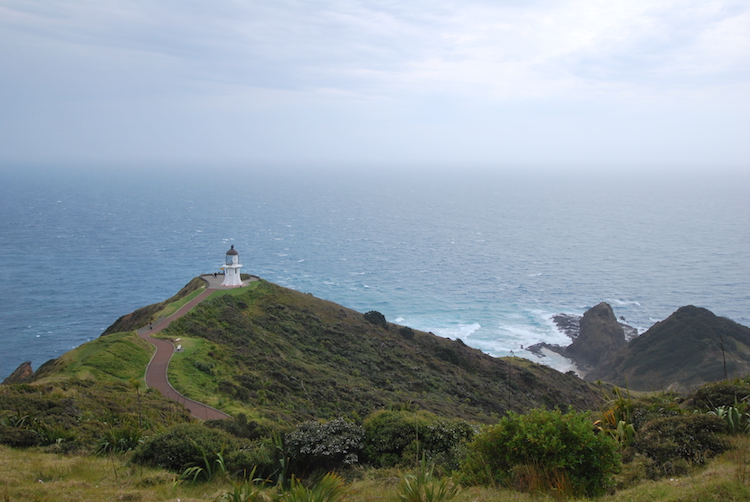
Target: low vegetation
x,y
547,451
280,356
675,442
330,405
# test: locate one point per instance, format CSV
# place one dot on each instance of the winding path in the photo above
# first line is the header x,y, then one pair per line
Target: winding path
x,y
156,371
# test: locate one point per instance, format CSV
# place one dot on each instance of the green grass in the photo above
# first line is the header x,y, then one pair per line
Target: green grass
x,y
119,356
46,477
189,380
187,374
176,305
236,291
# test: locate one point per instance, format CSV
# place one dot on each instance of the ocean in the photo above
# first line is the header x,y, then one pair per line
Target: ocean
x,y
487,257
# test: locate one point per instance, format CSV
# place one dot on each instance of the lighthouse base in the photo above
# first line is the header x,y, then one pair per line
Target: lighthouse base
x,y
232,277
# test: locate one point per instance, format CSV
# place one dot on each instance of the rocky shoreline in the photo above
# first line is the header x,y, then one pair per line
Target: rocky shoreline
x,y
598,341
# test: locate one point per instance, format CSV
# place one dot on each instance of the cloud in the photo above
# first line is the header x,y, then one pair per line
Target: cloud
x,y
514,47
373,72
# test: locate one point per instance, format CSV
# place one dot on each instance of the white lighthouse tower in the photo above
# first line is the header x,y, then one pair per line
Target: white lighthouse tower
x,y
232,269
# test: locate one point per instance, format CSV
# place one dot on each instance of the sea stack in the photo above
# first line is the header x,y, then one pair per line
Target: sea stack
x,y
599,336
232,269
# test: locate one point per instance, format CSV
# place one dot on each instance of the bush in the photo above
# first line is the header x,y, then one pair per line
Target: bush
x,y
543,450
184,446
691,438
203,367
714,395
324,446
406,332
54,434
18,437
376,318
401,437
240,427
259,458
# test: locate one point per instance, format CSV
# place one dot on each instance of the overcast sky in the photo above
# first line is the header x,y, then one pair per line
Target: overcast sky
x,y
497,83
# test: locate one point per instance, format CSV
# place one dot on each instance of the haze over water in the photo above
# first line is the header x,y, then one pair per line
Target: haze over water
x,y
485,257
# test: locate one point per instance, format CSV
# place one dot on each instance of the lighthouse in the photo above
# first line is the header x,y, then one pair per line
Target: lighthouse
x,y
232,269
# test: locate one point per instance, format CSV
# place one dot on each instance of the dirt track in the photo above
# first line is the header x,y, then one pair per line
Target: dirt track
x,y
156,371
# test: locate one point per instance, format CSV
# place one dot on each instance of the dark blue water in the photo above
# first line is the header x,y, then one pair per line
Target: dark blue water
x,y
484,257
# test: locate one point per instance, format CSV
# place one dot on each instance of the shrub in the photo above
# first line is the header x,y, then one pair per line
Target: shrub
x,y
315,446
690,438
402,437
387,434
376,318
543,450
440,443
259,458
184,446
18,437
240,427
713,395
406,332
203,367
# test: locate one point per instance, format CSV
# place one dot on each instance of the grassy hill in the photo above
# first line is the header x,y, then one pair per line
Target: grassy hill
x,y
280,357
279,354
683,351
276,357
120,356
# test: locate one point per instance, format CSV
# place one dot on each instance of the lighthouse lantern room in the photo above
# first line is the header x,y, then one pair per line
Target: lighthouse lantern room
x,y
232,269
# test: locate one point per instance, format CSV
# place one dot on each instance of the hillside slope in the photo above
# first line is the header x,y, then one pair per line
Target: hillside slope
x,y
285,355
683,351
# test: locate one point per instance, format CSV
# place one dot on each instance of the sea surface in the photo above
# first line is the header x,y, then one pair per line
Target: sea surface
x,y
487,257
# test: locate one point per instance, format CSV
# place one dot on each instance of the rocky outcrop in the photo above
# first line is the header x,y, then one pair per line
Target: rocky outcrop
x,y
595,336
568,324
600,335
691,347
22,374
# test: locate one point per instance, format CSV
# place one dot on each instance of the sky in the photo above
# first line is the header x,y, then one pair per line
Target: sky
x,y
594,83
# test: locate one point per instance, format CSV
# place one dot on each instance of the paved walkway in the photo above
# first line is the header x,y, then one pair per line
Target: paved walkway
x,y
156,371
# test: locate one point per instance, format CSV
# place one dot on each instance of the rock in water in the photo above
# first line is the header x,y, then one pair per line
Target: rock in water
x,y
600,334
22,374
568,324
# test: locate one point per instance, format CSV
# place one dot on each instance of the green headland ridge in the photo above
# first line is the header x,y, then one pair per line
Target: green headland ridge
x,y
300,376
